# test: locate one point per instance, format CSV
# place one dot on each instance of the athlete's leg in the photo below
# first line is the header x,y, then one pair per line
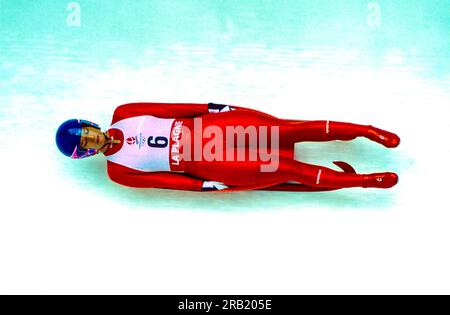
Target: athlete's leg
x,y
320,176
243,173
326,130
292,131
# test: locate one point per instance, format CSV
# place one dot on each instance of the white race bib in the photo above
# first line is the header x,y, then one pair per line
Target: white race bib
x,y
146,144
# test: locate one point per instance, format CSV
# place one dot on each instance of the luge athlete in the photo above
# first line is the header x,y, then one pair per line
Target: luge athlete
x,y
188,147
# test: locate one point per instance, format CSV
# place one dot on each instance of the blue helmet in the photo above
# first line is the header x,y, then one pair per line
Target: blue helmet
x,y
68,138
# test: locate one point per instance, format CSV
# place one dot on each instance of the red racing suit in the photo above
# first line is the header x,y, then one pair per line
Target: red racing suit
x,y
156,127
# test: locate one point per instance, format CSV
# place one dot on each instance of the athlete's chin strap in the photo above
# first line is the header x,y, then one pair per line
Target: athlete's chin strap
x,y
109,143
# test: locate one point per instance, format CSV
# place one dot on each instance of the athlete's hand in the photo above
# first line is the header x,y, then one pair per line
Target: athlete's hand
x,y
212,185
219,108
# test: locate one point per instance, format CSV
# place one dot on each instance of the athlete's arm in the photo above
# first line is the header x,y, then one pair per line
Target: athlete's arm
x,y
133,178
171,110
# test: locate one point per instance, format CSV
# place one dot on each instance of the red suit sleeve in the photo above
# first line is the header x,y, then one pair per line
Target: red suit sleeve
x,y
134,178
160,110
169,110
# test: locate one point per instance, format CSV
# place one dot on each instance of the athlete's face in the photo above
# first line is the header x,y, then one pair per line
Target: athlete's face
x,y
92,138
